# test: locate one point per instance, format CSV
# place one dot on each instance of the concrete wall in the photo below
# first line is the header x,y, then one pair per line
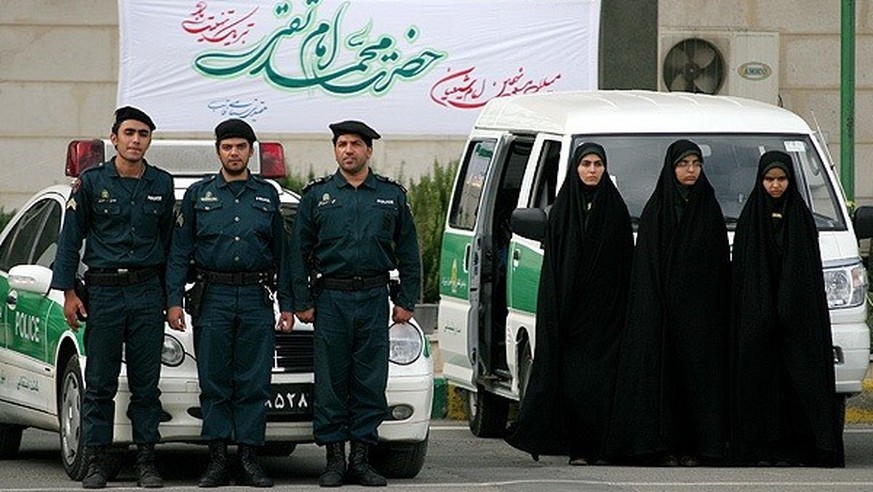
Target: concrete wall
x,y
59,59
809,75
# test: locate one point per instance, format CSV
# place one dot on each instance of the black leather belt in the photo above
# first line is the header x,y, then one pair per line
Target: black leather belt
x,y
236,278
120,276
354,283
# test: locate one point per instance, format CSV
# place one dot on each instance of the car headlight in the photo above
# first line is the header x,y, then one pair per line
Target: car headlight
x,y
404,343
845,286
172,353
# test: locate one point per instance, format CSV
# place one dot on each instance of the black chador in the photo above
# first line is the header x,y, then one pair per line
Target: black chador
x,y
783,403
671,388
580,314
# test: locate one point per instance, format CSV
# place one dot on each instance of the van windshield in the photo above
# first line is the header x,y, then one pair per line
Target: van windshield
x,y
731,163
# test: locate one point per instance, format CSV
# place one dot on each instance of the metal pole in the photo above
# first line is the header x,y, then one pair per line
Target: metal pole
x,y
847,100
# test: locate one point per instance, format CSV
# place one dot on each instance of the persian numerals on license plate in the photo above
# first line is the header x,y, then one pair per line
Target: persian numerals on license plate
x,y
290,400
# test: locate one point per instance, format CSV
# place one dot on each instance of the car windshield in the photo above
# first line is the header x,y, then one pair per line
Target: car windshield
x,y
731,163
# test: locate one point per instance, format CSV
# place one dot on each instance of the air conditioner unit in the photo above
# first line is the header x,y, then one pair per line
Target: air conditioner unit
x,y
736,63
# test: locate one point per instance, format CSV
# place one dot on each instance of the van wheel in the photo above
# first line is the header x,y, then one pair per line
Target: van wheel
x,y
487,413
399,459
525,364
70,419
10,440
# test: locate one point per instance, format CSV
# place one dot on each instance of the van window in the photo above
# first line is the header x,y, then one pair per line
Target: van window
x,y
546,180
473,171
730,164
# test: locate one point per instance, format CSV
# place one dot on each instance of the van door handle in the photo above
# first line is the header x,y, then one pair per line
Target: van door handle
x,y
467,250
516,257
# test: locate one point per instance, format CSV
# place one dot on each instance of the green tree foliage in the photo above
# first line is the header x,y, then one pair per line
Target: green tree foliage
x,y
429,200
5,217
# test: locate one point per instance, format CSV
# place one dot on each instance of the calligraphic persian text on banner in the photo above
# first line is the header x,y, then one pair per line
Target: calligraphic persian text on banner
x,y
406,67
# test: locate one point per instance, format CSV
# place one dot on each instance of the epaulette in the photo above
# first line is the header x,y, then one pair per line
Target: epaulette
x,y
389,180
316,181
92,168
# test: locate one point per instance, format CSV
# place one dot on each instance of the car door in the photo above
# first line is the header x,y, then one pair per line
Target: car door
x,y
26,315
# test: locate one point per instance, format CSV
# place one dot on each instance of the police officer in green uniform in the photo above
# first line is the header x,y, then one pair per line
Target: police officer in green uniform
x,y
124,209
352,228
230,237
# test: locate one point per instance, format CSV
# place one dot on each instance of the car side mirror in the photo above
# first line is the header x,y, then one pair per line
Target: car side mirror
x,y
863,222
529,222
30,278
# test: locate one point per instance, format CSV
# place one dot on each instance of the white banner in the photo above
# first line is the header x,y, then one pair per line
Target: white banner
x,y
403,66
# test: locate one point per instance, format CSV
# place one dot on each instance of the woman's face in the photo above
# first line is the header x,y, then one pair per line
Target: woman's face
x,y
590,169
775,182
688,169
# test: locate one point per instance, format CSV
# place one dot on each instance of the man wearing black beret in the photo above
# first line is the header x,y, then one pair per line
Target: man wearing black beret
x,y
352,228
123,208
231,229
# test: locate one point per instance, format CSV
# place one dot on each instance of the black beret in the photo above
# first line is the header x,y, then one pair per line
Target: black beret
x,y
357,127
234,128
131,113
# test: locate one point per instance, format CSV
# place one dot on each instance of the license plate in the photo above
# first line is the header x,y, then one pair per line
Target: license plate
x,y
292,401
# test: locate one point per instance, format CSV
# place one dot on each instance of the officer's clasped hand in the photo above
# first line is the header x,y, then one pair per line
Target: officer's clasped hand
x,y
74,309
176,318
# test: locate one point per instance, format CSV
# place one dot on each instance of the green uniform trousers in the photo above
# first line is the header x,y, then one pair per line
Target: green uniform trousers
x,y
234,340
129,321
351,365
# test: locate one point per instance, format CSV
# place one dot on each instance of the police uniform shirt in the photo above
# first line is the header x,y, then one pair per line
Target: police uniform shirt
x,y
127,222
223,231
347,231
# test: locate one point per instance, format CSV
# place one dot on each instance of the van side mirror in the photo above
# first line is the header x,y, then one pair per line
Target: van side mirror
x,y
863,222
529,223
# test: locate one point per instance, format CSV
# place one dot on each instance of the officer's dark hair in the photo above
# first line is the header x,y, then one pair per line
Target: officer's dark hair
x,y
130,113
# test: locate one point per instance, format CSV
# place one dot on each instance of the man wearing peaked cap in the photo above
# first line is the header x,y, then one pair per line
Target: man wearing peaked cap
x,y
352,228
231,228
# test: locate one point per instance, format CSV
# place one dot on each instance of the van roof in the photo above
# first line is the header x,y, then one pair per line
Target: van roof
x,y
599,112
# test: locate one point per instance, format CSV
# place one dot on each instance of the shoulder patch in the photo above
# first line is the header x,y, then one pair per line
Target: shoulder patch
x,y
317,181
386,179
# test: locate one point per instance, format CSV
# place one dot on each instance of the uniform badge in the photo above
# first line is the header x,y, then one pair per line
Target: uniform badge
x,y
71,203
104,194
208,197
325,199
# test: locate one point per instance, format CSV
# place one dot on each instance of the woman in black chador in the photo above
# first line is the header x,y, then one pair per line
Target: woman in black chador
x,y
783,403
580,315
671,398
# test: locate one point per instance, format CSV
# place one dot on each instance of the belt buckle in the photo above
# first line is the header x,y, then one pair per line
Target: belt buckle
x,y
357,283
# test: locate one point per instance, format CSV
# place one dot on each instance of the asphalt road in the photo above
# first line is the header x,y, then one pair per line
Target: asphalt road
x,y
457,461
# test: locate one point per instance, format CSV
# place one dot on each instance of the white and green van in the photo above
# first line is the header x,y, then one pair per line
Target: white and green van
x,y
516,157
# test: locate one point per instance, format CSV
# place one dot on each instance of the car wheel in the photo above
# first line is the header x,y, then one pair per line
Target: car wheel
x,y
486,413
278,448
399,459
70,419
10,440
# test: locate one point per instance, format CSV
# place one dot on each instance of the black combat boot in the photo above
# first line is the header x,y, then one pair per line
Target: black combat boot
x,y
336,465
146,472
95,477
250,472
216,472
359,467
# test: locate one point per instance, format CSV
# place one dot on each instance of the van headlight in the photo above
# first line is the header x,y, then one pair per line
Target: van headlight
x,y
172,353
845,286
404,343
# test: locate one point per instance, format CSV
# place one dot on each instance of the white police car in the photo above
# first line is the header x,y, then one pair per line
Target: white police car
x,y
42,360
